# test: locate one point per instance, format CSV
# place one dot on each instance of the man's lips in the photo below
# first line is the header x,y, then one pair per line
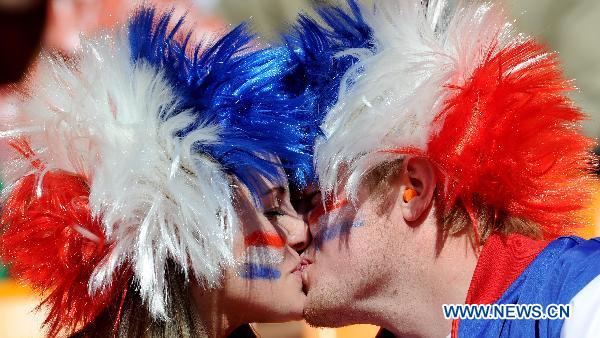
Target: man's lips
x,y
302,265
301,269
305,280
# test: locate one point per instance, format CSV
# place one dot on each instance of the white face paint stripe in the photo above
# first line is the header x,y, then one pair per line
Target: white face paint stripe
x,y
262,255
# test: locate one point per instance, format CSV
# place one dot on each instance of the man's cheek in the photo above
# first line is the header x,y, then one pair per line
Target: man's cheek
x,y
333,233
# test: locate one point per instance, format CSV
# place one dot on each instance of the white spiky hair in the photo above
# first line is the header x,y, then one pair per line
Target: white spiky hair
x,y
102,117
389,98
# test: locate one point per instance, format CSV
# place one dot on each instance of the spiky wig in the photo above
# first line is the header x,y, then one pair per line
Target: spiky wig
x,y
318,55
125,159
487,106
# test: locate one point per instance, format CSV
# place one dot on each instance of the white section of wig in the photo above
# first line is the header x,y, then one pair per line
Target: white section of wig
x,y
159,200
390,97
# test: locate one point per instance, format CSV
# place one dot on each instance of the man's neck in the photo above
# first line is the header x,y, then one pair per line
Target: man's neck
x,y
445,280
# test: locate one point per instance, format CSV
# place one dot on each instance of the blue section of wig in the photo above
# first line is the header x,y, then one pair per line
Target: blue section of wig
x,y
227,84
317,62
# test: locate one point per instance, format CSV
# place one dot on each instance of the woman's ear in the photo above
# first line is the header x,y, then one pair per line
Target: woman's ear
x,y
417,191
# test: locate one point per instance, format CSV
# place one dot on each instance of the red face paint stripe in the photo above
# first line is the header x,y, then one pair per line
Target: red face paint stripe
x,y
260,238
319,211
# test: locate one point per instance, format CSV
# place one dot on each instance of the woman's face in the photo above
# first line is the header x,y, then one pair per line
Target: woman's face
x,y
266,284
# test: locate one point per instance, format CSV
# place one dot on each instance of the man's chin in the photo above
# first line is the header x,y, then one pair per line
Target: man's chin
x,y
319,318
323,309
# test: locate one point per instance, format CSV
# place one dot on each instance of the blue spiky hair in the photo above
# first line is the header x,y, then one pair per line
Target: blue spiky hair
x,y
238,89
317,64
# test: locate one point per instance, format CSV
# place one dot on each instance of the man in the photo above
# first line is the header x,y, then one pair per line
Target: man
x,y
450,164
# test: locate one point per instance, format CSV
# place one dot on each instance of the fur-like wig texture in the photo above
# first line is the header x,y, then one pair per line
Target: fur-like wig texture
x,y
319,54
487,106
158,132
57,212
102,117
246,95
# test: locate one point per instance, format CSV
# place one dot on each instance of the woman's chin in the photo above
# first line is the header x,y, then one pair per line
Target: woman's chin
x,y
292,304
295,314
297,296
298,307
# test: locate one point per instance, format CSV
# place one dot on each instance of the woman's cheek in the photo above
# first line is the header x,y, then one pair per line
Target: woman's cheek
x,y
262,255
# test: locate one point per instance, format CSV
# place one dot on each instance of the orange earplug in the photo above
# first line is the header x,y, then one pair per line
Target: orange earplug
x,y
409,194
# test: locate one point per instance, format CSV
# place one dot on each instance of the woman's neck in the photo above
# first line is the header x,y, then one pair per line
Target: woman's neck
x,y
218,320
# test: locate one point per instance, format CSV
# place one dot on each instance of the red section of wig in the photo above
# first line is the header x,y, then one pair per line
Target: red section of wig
x,y
54,244
511,140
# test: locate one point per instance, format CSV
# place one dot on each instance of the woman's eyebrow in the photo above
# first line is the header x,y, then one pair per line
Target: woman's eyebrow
x,y
278,190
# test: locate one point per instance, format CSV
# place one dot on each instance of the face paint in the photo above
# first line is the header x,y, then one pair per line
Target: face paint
x,y
262,255
335,231
315,215
260,238
257,271
330,231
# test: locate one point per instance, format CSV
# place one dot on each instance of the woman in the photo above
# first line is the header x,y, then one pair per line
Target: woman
x,y
255,290
146,198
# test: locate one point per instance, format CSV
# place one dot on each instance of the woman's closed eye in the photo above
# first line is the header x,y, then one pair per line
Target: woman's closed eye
x,y
273,204
274,213
277,204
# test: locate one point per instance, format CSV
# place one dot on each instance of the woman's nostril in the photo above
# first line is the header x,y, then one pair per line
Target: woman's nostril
x,y
299,247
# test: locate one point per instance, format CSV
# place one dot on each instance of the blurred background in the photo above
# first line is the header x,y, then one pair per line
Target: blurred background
x,y
566,26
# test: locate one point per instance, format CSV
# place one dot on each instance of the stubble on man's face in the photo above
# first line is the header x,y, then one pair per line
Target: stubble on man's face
x,y
345,274
336,302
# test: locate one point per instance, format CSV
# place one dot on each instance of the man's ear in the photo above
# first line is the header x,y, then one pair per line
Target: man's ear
x,y
419,176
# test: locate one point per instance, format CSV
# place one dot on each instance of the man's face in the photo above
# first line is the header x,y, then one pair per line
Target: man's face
x,y
349,261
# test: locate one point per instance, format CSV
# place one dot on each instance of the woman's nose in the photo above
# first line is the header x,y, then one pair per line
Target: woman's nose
x,y
298,236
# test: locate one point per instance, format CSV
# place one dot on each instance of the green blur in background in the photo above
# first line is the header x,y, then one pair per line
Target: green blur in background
x,y
3,269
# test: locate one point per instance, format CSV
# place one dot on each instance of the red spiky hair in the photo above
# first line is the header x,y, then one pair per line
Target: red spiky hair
x,y
511,139
53,244
488,107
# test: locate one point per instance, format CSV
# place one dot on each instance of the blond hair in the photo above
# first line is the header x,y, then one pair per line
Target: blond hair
x,y
455,219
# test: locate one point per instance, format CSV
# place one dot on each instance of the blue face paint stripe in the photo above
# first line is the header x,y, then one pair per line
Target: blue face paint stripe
x,y
259,271
335,231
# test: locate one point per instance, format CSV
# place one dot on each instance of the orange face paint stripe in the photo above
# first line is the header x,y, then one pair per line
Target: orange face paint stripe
x,y
261,238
